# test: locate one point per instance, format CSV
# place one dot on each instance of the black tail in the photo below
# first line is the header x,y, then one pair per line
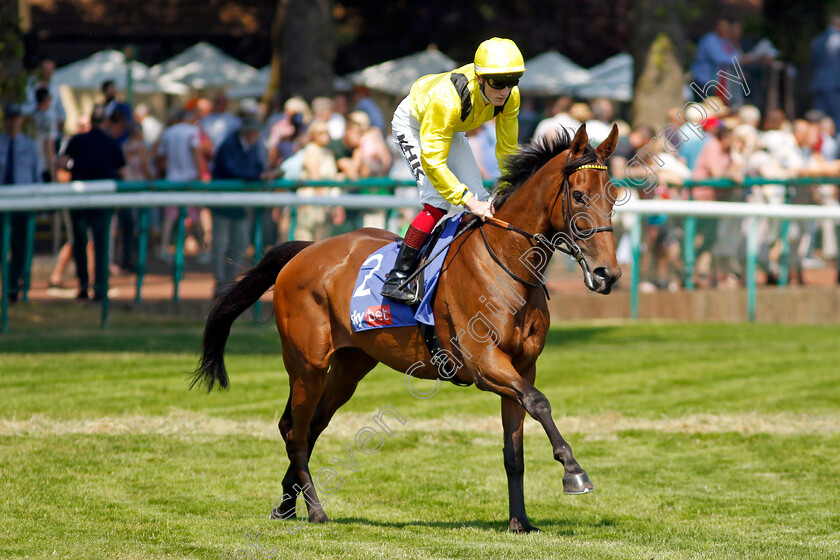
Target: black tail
x,y
237,298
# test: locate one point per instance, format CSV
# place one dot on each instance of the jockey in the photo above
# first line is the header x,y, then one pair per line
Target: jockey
x,y
429,128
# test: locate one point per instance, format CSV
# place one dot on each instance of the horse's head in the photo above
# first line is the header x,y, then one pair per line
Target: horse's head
x,y
580,209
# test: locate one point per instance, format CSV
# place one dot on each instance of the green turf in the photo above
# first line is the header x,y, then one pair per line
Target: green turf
x,y
704,441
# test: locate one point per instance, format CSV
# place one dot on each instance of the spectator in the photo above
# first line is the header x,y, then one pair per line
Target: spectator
x,y
714,53
560,118
219,123
638,138
363,102
178,159
46,133
273,113
44,80
18,165
238,157
487,135
348,156
482,142
112,105
375,155
692,144
529,118
284,134
623,149
318,164
806,156
754,160
599,126
341,110
779,140
750,116
713,162
477,146
374,160
65,253
659,231
821,130
94,155
152,127
137,168
829,146
825,65
323,108
137,156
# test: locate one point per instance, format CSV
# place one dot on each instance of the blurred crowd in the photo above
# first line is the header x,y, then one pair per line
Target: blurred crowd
x,y
332,139
346,137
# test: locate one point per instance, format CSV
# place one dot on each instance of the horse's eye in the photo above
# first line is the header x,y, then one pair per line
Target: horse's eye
x,y
578,196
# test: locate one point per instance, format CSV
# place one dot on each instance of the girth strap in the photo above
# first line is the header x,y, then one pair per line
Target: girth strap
x,y
433,343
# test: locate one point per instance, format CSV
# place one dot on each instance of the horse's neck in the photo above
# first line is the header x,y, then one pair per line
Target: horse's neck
x,y
526,210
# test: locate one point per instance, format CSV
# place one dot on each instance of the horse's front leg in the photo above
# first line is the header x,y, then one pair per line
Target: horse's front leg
x,y
503,379
513,416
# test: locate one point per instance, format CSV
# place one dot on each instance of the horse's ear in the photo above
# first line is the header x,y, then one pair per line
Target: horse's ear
x,y
607,147
580,141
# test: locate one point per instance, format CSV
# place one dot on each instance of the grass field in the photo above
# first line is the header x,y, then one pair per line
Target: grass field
x,y
703,441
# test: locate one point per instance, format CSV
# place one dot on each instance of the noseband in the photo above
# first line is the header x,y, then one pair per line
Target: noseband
x,y
567,244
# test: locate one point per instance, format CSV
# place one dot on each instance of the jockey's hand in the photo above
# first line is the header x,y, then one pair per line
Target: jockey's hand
x,y
480,208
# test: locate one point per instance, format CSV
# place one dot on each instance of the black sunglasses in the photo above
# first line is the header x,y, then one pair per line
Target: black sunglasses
x,y
501,82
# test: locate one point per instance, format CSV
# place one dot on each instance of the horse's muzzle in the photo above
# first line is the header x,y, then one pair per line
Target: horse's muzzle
x,y
602,279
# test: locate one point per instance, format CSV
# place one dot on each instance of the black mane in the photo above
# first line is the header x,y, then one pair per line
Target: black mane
x,y
531,157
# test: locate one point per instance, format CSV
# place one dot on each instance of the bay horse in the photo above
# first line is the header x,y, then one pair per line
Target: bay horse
x,y
557,189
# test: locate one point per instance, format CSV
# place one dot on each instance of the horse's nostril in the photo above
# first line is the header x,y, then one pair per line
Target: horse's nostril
x,y
602,272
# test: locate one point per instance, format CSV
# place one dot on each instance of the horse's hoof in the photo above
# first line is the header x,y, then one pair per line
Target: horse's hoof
x,y
318,517
517,526
577,484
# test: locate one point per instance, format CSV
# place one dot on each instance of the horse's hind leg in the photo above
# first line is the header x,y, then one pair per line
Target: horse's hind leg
x,y
307,382
290,479
348,367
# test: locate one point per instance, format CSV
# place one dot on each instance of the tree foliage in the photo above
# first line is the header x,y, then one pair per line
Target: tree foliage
x,y
657,45
303,48
12,76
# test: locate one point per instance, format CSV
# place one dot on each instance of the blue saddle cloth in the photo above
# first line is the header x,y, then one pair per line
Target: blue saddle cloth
x,y
369,310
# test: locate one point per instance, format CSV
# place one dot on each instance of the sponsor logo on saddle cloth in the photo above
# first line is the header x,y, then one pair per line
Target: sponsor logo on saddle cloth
x,y
379,316
369,310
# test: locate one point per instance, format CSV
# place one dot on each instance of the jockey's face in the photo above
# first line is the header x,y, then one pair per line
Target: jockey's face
x,y
496,96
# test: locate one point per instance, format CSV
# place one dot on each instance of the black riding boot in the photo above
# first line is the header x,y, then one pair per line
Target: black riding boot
x,y
403,267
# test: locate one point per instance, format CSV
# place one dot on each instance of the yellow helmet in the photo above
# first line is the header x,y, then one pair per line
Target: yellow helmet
x,y
498,56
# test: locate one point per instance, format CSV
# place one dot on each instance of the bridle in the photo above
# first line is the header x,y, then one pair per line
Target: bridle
x,y
567,203
567,244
